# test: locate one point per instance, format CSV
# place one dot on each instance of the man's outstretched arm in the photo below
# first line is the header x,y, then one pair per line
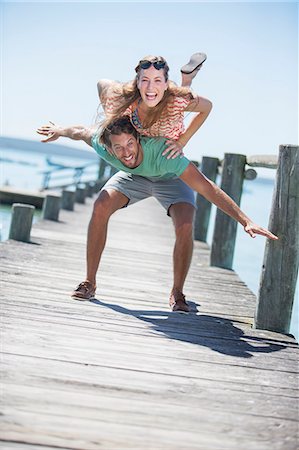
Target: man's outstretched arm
x,y
199,183
75,132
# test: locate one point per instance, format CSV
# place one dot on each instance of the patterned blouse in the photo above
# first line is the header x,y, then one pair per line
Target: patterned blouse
x,y
170,125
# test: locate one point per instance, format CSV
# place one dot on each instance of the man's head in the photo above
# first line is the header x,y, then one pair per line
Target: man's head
x,y
122,140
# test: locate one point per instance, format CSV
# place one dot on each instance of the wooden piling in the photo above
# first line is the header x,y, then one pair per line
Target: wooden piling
x,y
21,222
80,194
68,199
225,229
209,167
113,170
90,189
51,207
281,259
102,168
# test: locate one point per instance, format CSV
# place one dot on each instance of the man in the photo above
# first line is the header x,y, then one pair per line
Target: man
x,y
148,173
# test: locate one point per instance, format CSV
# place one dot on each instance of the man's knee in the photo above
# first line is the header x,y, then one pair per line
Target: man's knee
x,y
107,203
184,230
183,216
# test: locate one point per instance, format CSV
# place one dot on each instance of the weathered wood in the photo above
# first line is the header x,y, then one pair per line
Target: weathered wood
x,y
209,167
250,174
21,222
281,260
10,195
118,372
80,194
268,161
68,199
225,229
100,183
51,207
102,168
113,170
90,188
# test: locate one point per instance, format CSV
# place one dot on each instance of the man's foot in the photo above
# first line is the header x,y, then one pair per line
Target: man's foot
x,y
84,291
195,63
177,302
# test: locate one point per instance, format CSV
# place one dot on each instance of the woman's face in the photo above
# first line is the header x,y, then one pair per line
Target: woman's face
x,y
152,85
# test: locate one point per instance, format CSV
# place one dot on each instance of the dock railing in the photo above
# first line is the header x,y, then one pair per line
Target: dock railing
x,y
58,175
281,258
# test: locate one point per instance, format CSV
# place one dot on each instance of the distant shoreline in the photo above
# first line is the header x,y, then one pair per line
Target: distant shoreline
x,y
39,147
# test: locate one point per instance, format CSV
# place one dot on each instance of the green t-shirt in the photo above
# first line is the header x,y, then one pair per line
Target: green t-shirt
x,y
154,165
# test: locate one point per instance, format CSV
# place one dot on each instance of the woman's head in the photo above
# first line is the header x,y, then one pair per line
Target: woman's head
x,y
158,62
152,86
152,79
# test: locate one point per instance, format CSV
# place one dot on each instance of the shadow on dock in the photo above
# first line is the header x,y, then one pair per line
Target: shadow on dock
x,y
174,325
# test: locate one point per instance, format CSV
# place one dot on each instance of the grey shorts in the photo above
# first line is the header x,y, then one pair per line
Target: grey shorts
x,y
136,188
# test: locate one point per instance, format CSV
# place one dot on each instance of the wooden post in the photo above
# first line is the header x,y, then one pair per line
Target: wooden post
x,y
113,170
80,194
68,199
225,229
90,188
102,168
209,167
21,222
100,183
51,207
281,259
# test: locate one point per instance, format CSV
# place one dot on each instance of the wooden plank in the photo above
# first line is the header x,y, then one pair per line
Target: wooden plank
x,y
9,195
268,161
123,372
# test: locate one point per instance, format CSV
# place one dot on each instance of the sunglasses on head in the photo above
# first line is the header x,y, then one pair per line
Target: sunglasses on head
x,y
145,64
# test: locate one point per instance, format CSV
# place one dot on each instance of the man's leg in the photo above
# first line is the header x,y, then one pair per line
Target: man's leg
x,y
106,204
179,201
182,215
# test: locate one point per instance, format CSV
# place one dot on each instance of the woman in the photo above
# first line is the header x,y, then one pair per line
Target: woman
x,y
155,104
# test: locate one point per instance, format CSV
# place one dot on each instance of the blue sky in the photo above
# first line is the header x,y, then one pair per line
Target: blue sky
x,y
53,53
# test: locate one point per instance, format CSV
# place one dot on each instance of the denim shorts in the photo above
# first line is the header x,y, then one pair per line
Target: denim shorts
x,y
136,188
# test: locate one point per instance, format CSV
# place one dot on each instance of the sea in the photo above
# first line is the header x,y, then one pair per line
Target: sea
x,y
26,170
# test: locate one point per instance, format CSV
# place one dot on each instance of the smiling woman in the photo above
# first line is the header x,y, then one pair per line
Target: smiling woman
x,y
155,104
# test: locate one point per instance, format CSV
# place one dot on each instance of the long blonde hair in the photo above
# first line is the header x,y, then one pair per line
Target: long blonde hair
x,y
128,93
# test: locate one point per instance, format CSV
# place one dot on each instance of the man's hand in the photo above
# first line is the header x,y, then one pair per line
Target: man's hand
x,y
253,229
74,132
173,148
53,132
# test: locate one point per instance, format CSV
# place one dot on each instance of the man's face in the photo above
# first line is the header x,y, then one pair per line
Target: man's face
x,y
126,149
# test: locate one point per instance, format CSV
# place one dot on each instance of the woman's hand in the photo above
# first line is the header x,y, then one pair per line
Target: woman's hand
x,y
253,229
52,132
174,149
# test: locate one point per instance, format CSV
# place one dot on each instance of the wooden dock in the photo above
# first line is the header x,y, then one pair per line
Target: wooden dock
x,y
122,371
